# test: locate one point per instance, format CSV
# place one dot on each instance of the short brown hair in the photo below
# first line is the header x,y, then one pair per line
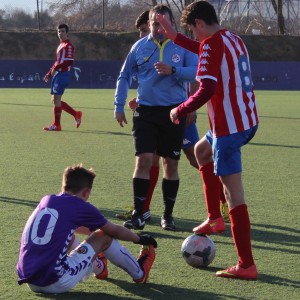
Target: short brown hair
x,y
60,26
76,178
162,9
199,10
143,18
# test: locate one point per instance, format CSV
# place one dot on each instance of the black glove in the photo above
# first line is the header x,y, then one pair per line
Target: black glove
x,y
146,239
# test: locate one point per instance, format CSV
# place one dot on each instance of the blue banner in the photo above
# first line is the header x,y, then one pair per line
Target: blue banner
x,y
282,76
85,74
103,74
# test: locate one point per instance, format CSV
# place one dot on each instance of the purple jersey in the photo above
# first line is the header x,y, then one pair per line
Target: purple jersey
x,y
48,233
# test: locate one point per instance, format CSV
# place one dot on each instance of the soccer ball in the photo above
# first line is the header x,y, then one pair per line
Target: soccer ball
x,y
198,250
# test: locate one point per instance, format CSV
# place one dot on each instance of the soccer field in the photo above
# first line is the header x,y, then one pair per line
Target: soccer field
x,y
31,165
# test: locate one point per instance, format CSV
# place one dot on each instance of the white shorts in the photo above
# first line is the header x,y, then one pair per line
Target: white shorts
x,y
80,268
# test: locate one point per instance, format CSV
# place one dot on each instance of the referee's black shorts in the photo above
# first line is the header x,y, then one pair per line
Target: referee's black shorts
x,y
153,131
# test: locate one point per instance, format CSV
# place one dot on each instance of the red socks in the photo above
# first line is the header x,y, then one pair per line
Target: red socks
x,y
68,109
211,188
57,115
154,173
239,217
240,228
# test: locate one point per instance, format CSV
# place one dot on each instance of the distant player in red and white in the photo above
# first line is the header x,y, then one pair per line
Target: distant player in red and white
x,y
226,87
60,73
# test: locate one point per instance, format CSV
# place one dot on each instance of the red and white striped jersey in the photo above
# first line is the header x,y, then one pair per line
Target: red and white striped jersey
x,y
224,58
64,57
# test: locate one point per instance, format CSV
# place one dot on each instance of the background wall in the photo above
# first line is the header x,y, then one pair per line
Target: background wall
x,y
26,57
114,46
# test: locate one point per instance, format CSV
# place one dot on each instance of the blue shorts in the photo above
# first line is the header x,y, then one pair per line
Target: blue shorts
x,y
191,136
59,82
227,151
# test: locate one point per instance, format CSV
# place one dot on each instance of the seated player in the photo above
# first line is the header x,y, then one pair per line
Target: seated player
x,y
52,260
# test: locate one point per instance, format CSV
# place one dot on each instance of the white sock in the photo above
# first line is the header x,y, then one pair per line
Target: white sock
x,y
121,257
97,264
75,243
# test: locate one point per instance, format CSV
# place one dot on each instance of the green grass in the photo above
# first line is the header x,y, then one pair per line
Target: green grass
x,y
32,161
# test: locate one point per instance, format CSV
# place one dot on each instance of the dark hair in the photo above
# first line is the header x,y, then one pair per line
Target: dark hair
x,y
143,18
60,26
199,10
162,9
76,178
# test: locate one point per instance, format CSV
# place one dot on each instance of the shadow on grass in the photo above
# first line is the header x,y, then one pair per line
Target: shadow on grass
x,y
99,132
264,278
144,291
275,280
18,201
274,145
274,234
49,105
182,225
280,236
112,108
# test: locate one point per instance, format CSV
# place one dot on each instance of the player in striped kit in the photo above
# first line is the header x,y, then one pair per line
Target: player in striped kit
x,y
226,87
61,76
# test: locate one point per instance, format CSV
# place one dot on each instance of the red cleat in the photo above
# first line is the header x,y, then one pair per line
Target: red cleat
x,y
53,127
78,118
145,260
210,226
238,272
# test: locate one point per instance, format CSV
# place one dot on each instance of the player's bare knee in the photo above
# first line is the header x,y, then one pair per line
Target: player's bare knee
x,y
99,240
143,163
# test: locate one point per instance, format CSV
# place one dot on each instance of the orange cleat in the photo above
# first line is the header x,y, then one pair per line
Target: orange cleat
x,y
145,260
238,272
78,118
210,226
53,127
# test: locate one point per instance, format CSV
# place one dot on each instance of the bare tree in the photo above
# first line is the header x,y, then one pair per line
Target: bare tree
x,y
38,14
242,16
278,5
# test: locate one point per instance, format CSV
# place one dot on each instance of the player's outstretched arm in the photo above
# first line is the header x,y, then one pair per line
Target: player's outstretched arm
x,y
124,234
167,29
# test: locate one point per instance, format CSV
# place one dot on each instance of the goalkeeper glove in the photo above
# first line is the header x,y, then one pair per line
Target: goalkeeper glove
x,y
146,239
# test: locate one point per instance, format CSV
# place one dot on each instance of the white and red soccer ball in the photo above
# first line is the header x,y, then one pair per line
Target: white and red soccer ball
x,y
198,250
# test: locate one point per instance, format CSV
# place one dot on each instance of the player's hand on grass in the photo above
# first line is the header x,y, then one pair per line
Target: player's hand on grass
x,y
133,104
120,117
146,239
173,116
